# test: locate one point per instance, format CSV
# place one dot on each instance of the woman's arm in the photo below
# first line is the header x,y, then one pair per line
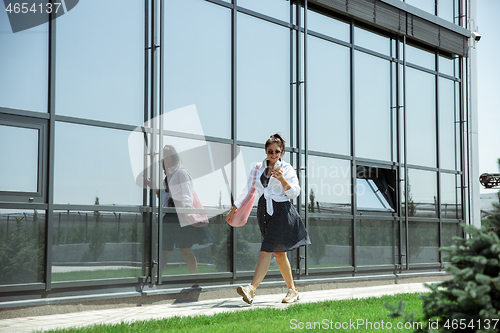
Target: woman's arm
x,y
288,179
248,187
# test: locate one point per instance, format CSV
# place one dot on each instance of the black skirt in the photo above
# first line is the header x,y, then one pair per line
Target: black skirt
x,y
175,236
284,230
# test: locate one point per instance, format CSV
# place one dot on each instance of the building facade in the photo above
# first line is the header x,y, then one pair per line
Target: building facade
x,y
376,99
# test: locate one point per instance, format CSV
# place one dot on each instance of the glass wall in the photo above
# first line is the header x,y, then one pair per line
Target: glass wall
x,y
22,168
423,242
24,66
421,118
373,112
100,69
224,79
22,246
331,242
376,242
90,245
446,9
198,33
328,84
92,163
263,74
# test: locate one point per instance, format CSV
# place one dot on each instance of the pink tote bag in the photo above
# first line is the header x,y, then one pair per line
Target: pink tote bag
x,y
240,217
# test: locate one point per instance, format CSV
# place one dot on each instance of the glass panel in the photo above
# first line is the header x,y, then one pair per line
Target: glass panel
x,y
421,117
263,72
22,246
328,26
279,9
422,193
372,41
197,64
446,9
100,62
94,162
450,196
331,242
394,112
248,245
24,64
89,245
401,114
447,65
194,250
447,125
217,257
294,89
427,5
329,182
376,242
404,260
209,165
375,189
189,249
373,107
21,172
458,145
420,57
423,242
450,230
369,196
328,96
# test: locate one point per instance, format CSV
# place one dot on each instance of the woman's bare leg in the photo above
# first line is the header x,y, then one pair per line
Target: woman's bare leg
x,y
190,259
285,269
261,269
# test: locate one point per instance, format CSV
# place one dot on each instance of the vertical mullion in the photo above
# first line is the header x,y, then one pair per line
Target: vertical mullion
x,y
461,133
405,157
292,83
398,152
353,150
298,108
145,191
51,145
159,105
154,112
234,126
306,148
438,164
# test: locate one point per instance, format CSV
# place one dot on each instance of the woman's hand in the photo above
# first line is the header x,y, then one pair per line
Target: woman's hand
x,y
230,215
278,174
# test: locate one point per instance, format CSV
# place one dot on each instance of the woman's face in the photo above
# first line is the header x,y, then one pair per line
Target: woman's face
x,y
273,152
167,163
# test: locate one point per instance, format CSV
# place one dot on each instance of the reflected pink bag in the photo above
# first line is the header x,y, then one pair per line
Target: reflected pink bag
x,y
195,220
201,220
240,216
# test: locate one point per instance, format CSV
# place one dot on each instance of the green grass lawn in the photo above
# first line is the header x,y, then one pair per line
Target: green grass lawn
x,y
296,317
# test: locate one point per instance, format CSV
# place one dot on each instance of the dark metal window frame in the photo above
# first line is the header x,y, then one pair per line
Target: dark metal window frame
x,y
38,196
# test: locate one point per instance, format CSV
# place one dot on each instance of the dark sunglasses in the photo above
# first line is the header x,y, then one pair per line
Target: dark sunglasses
x,y
270,152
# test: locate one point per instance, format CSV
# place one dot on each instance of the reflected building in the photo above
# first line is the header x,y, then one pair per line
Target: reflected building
x,y
376,99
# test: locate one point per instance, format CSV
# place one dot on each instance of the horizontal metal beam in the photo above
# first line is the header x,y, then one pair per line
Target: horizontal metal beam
x,y
402,19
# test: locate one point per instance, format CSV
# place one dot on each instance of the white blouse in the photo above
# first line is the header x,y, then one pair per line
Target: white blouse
x,y
180,184
274,190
